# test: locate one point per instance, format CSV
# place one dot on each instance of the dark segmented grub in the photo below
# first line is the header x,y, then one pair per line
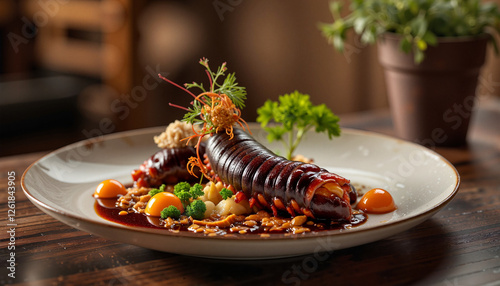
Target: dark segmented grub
x,y
263,173
239,166
269,191
245,147
250,169
280,184
293,189
166,166
253,169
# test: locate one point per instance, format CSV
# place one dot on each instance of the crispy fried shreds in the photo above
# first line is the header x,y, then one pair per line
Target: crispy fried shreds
x,y
220,115
135,200
222,223
217,109
261,222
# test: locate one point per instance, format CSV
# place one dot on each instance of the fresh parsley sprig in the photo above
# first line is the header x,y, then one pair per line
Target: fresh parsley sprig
x,y
293,115
226,193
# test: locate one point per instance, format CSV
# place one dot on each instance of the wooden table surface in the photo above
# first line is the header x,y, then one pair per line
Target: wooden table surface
x,y
460,245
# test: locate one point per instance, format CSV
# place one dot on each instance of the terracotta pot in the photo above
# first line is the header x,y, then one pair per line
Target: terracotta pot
x,y
431,102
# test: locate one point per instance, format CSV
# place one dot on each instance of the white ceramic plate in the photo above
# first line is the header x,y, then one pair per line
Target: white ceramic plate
x,y
421,182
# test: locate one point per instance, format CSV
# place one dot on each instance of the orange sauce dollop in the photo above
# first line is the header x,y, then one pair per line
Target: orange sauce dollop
x,y
109,189
377,201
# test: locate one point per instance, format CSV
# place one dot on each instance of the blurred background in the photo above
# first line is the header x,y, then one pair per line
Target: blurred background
x,y
75,69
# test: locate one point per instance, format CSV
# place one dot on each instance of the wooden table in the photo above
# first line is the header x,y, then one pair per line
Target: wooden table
x,y
460,245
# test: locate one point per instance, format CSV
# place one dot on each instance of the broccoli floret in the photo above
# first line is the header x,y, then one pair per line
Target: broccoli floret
x,y
196,190
156,191
181,190
185,192
182,187
226,193
196,209
170,211
183,196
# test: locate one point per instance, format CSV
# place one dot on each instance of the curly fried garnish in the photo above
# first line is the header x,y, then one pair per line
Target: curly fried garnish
x,y
223,223
216,109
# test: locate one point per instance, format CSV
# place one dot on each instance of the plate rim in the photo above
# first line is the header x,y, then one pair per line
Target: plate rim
x,y
136,132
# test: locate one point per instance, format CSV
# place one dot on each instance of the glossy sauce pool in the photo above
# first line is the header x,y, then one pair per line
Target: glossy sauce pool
x,y
105,208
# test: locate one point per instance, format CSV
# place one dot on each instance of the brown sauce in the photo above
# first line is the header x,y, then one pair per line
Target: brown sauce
x,y
105,208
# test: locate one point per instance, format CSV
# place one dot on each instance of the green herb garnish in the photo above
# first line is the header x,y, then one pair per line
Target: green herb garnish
x,y
229,86
226,193
216,109
294,114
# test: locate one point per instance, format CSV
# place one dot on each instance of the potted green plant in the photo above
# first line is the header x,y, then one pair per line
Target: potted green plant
x,y
432,53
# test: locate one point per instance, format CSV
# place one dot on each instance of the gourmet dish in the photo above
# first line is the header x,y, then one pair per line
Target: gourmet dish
x,y
210,176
